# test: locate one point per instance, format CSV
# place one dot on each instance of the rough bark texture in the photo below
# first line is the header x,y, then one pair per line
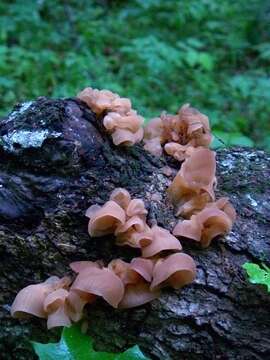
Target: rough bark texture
x,y
55,162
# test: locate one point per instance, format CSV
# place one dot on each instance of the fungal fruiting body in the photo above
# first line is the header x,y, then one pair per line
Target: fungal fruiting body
x,y
119,119
215,219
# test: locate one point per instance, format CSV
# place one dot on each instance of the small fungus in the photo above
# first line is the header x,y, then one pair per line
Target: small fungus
x,y
177,134
162,240
104,220
176,270
138,294
104,100
195,181
100,282
119,119
136,277
122,216
215,219
56,307
30,300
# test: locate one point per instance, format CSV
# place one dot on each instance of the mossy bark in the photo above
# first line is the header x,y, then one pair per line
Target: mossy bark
x,y
56,160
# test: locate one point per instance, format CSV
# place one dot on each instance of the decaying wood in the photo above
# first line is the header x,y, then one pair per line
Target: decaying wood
x,y
55,162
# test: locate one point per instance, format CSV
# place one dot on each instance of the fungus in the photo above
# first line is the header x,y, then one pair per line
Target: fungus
x,y
75,303
123,217
105,219
162,240
176,270
153,136
178,134
30,299
179,152
55,307
196,203
144,267
123,123
121,197
138,294
128,234
125,129
131,121
136,207
79,266
103,100
215,219
195,178
126,137
134,239
130,273
198,128
101,282
136,277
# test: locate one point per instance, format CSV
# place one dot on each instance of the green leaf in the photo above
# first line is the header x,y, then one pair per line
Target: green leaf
x,y
257,274
206,61
223,139
192,57
74,345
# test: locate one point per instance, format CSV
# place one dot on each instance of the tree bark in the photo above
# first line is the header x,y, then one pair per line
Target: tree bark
x,y
56,161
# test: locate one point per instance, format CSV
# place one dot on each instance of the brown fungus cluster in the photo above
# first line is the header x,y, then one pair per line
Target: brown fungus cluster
x,y
119,119
177,135
186,137
120,284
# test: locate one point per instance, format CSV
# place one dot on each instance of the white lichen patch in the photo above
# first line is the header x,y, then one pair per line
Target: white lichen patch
x,y
26,139
23,107
252,201
228,162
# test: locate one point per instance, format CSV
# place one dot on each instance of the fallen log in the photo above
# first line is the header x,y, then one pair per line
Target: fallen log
x,y
56,160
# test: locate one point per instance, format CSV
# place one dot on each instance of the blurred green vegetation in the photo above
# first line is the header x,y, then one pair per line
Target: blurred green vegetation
x,y
214,54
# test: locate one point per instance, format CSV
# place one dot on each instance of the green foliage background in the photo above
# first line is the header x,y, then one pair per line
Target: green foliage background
x,y
214,54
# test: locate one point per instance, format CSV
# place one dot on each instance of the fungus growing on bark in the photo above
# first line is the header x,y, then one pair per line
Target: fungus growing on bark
x,y
177,134
132,233
30,300
100,282
125,129
136,277
55,306
176,270
215,219
105,219
138,294
194,183
104,100
122,216
46,300
179,152
121,197
162,240
123,123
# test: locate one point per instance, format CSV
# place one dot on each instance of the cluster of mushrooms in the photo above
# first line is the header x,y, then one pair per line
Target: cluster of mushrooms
x,y
186,137
120,120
